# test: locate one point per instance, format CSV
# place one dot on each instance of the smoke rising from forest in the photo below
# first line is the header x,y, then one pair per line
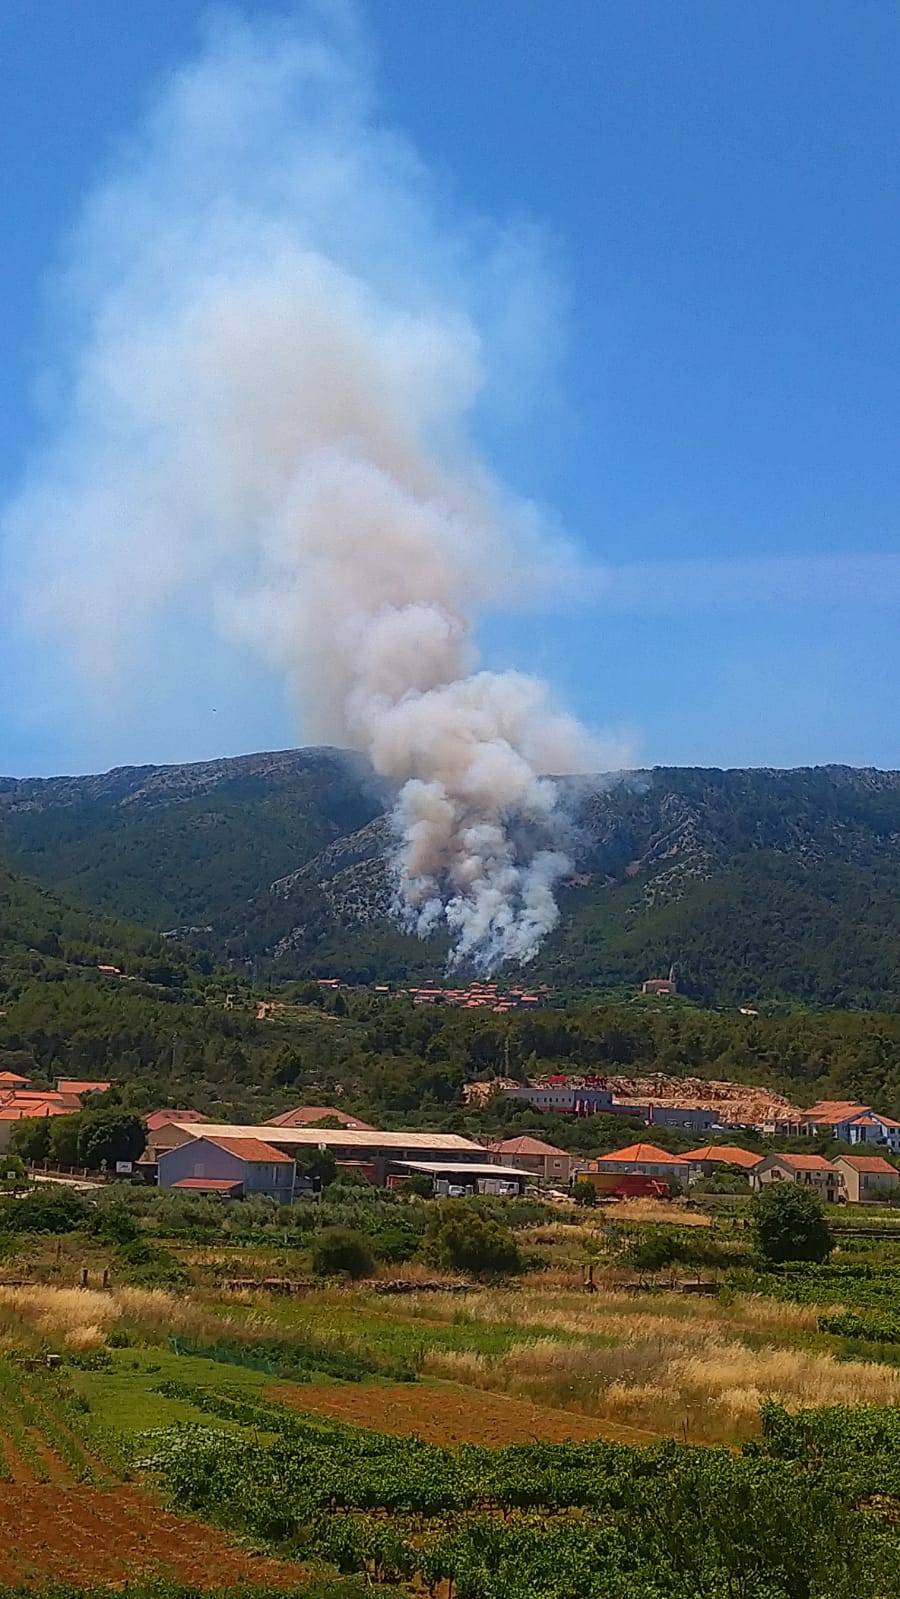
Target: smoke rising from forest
x,y
277,338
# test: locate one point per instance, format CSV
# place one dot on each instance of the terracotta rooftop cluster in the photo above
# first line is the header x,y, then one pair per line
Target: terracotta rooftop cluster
x,y
19,1101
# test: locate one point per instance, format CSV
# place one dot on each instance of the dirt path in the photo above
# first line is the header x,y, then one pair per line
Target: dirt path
x,y
449,1413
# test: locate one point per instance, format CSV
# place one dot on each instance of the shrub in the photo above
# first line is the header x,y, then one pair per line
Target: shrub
x,y
115,1223
339,1251
459,1239
584,1193
419,1185
790,1224
47,1209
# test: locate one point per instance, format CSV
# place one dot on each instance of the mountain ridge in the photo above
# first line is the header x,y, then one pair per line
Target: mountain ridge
x,y
774,881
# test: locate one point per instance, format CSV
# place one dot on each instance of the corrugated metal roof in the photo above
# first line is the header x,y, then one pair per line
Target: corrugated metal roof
x,y
465,1168
342,1137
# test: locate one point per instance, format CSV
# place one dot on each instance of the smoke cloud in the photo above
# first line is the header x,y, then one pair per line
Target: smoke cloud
x,y
281,338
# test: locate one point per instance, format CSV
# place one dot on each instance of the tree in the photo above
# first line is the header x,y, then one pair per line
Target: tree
x,y
115,1223
64,1140
110,1135
458,1238
584,1193
790,1224
341,1252
320,1168
30,1138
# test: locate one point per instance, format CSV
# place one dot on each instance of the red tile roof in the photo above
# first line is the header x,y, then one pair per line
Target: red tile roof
x,y
805,1162
827,1107
308,1115
164,1118
75,1085
251,1149
726,1154
216,1185
22,1099
643,1155
13,1080
18,1113
523,1145
870,1163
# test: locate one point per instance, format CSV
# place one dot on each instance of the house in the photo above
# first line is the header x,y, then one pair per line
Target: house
x,y
813,1171
710,1158
310,1115
661,987
868,1178
162,1133
851,1123
77,1086
234,1167
156,1120
12,1112
11,1080
645,1160
545,1161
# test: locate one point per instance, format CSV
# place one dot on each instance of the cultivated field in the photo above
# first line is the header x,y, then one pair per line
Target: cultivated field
x,y
425,1430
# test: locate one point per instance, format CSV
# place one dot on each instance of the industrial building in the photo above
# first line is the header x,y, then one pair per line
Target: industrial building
x,y
375,1155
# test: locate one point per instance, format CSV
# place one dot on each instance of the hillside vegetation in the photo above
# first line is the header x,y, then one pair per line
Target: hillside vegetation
x,y
177,1028
761,886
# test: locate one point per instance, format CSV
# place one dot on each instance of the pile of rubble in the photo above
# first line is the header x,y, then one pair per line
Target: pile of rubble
x,y
732,1102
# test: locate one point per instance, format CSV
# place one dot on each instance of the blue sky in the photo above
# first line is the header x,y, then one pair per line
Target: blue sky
x,y
715,186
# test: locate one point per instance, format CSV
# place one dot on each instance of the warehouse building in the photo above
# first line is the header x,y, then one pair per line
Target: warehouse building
x,y
375,1155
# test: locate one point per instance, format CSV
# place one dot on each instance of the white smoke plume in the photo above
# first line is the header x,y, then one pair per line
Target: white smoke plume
x,y
279,335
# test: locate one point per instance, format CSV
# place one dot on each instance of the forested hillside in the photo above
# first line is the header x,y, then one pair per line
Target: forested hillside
x,y
760,886
175,1028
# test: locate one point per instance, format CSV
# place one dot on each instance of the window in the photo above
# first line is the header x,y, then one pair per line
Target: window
x,y
199,1168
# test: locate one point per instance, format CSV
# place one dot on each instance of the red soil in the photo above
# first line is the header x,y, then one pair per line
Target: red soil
x,y
447,1413
78,1534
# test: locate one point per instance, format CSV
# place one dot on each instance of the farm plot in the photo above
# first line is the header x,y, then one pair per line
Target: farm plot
x,y
447,1413
545,1521
65,1513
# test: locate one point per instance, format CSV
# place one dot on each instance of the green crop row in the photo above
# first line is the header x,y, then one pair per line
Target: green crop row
x,y
789,1518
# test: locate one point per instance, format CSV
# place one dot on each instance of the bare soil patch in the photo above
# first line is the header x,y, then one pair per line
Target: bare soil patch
x,y
449,1413
49,1533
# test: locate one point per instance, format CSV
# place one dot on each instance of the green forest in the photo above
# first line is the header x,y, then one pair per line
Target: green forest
x,y
177,1028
